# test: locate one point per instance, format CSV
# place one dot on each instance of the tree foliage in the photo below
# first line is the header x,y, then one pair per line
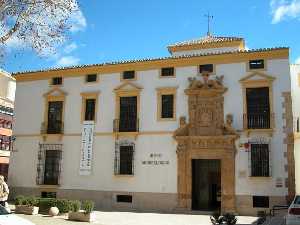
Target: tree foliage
x,y
39,24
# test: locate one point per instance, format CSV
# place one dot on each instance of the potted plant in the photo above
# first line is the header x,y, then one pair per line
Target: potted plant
x,y
84,215
27,205
226,219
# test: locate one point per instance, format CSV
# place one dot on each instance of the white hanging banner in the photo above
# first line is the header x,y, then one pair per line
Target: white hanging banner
x,y
86,151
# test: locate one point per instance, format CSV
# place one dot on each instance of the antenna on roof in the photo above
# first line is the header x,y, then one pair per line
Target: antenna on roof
x,y
209,19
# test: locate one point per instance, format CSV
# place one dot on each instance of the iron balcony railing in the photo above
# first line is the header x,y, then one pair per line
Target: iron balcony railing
x,y
53,127
258,121
126,125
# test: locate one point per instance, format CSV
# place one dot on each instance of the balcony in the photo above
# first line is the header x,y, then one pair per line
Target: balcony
x,y
55,127
126,127
258,121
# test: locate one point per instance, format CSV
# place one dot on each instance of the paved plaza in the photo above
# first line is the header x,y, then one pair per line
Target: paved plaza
x,y
133,218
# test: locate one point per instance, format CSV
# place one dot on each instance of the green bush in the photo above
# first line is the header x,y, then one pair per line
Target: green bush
x,y
46,203
75,205
19,200
88,206
31,201
64,205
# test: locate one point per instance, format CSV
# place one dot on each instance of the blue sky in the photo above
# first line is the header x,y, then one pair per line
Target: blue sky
x,y
110,30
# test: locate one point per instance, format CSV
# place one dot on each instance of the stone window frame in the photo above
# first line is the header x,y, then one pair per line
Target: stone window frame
x,y
166,91
84,97
118,144
264,81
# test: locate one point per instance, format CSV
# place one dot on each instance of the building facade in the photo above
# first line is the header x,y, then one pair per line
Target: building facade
x,y
206,128
7,96
295,80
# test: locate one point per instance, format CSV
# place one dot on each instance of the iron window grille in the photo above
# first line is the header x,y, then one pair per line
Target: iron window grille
x,y
91,78
167,106
260,160
124,158
206,68
260,201
128,75
256,64
49,164
167,72
124,198
90,109
258,108
57,81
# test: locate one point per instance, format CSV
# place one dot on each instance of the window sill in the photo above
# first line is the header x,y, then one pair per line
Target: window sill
x,y
126,134
166,119
260,177
48,186
268,131
124,175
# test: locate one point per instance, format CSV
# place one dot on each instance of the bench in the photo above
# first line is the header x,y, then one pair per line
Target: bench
x,y
276,208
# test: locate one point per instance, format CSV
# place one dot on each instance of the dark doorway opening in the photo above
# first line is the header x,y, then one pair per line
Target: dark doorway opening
x,y
206,184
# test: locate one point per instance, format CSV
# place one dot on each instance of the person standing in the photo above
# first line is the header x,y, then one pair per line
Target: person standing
x,y
4,191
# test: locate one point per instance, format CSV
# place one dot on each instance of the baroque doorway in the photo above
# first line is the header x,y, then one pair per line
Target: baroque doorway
x,y
207,139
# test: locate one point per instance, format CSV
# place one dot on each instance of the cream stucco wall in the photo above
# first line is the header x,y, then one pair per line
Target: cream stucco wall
x,y
29,114
295,73
7,86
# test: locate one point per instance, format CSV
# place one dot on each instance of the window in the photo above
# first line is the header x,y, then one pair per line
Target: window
x,y
128,121
89,106
55,113
256,64
124,160
124,198
258,108
56,81
206,68
49,162
45,194
91,78
167,104
260,201
129,75
260,160
90,109
168,72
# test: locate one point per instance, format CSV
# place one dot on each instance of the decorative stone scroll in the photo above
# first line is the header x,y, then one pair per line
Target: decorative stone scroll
x,y
206,136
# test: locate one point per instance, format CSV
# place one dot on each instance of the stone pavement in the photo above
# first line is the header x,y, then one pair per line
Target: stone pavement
x,y
134,218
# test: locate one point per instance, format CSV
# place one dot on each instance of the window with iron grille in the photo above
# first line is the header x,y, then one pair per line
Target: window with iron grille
x,y
167,72
128,121
55,110
260,165
258,108
256,64
206,68
260,201
127,75
49,164
56,80
90,109
124,198
167,106
91,78
124,160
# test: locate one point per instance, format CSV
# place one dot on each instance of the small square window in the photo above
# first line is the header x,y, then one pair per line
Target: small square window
x,y
91,78
167,72
56,81
45,194
206,68
260,201
124,198
256,64
128,75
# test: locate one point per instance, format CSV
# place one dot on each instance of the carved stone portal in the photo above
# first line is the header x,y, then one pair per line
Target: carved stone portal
x,y
206,136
